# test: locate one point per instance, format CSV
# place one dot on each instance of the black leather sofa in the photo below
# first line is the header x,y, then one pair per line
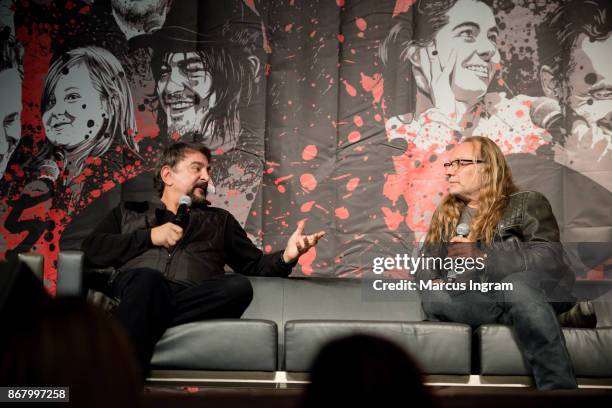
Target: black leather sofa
x,y
290,319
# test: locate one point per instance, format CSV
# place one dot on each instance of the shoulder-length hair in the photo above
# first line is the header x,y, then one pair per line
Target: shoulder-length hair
x,y
497,184
418,27
109,79
234,72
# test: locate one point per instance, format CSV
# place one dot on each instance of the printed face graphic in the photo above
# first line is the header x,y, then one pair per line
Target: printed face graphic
x,y
76,111
10,114
143,11
590,87
184,89
472,33
191,176
465,181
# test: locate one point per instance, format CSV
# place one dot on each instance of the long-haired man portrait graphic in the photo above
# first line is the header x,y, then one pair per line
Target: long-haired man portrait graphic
x,y
575,52
202,83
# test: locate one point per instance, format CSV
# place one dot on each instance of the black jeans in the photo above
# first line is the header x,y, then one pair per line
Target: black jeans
x,y
527,310
149,304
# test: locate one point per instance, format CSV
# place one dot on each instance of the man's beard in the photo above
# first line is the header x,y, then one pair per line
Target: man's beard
x,y
199,199
141,15
192,122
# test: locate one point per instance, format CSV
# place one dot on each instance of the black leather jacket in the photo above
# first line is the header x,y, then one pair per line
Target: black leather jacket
x,y
526,240
211,239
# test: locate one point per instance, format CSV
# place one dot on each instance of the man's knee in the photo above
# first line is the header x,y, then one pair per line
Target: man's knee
x,y
435,303
523,291
239,288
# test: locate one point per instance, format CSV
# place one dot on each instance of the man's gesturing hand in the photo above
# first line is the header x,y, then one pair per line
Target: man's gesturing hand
x,y
299,243
166,235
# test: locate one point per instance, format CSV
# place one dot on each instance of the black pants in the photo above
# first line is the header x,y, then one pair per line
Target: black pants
x,y
149,304
527,310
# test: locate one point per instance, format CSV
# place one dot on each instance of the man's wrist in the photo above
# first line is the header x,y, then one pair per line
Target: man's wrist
x,y
285,258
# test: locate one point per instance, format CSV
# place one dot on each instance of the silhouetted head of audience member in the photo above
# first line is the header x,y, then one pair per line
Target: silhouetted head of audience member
x,y
73,344
365,371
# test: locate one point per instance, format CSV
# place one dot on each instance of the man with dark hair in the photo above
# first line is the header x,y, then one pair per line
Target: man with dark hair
x,y
575,49
11,76
166,275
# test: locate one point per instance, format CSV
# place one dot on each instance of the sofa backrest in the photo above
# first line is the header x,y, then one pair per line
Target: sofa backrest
x,y
282,300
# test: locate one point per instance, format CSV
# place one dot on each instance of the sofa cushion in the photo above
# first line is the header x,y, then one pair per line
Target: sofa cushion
x,y
589,349
439,348
281,300
224,345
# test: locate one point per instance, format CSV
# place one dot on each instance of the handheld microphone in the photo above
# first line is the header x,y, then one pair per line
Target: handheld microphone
x,y
546,113
49,170
182,213
463,230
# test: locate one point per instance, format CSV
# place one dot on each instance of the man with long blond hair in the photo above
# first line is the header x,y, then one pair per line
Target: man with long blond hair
x,y
514,237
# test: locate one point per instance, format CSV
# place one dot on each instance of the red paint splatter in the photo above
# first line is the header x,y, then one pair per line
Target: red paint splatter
x,y
350,89
340,38
373,84
361,24
306,207
520,113
402,6
340,3
393,219
354,136
358,121
310,152
352,184
342,213
283,178
266,42
288,27
251,4
377,117
281,188
306,261
107,185
308,181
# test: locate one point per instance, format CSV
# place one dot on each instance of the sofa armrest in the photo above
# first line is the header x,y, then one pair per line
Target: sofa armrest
x,y
70,273
36,263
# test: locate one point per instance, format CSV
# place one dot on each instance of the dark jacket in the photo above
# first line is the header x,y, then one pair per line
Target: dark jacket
x,y
211,239
526,240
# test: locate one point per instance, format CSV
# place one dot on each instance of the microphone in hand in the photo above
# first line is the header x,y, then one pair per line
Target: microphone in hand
x,y
463,230
182,213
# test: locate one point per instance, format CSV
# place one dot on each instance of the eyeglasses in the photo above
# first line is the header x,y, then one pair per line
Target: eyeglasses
x,y
460,163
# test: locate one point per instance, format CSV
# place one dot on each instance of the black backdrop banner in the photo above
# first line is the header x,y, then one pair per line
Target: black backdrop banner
x,y
336,111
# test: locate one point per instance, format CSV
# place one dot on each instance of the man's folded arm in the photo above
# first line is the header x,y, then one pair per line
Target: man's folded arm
x,y
107,246
245,258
